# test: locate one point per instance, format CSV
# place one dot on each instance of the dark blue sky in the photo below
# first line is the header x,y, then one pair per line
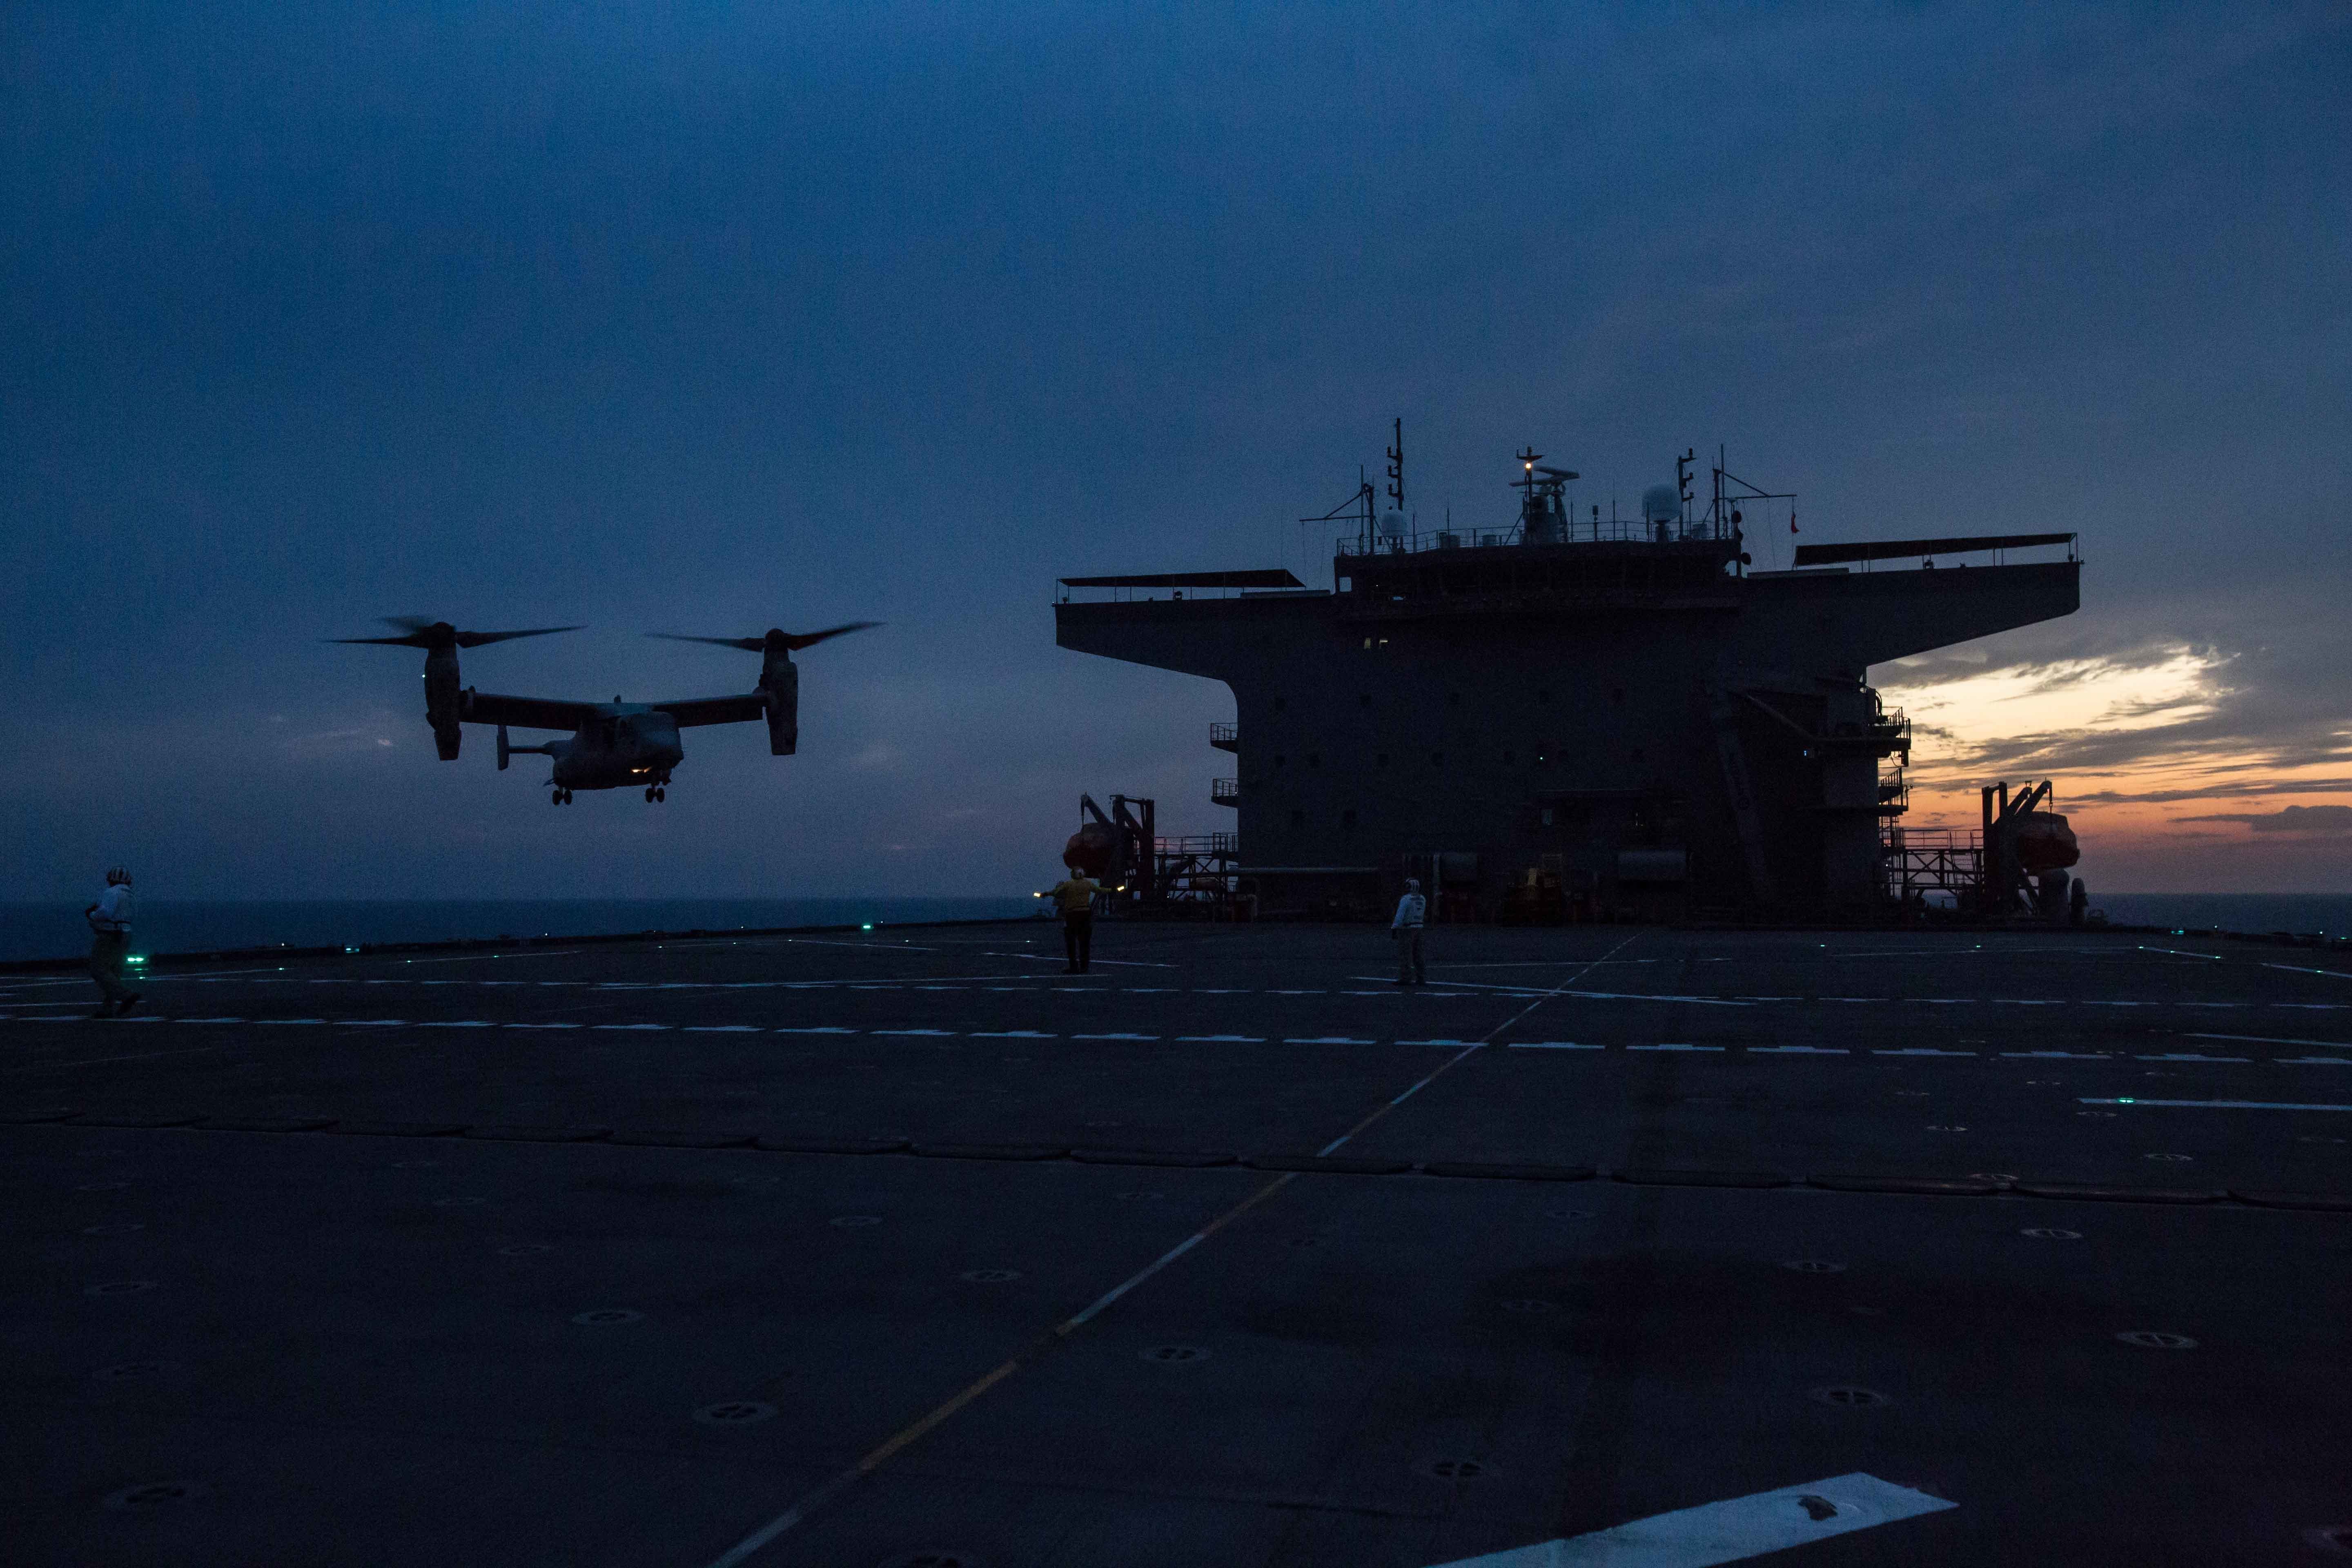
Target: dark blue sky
x,y
706,320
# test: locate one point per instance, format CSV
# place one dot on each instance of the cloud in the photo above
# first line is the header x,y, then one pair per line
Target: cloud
x,y
2332,821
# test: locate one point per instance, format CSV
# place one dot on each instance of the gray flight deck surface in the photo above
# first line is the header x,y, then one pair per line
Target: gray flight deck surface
x,y
385,1341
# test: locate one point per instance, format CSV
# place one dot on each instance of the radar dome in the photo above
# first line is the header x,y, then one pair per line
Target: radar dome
x,y
1392,525
1662,503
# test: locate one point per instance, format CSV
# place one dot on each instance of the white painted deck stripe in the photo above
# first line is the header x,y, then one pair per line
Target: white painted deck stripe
x,y
2220,1104
1728,1531
1554,1045
2273,1041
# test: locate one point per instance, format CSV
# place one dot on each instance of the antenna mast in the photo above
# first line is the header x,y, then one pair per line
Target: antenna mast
x,y
1396,469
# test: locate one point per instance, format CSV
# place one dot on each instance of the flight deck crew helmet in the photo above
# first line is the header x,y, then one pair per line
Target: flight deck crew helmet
x,y
1413,884
118,875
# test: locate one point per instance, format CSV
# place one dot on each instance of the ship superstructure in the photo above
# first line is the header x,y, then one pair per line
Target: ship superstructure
x,y
1579,712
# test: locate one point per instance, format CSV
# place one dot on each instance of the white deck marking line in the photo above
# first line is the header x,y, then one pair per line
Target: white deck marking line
x,y
470,958
893,1032
915,1431
992,1034
1222,1039
2179,953
1552,1046
1728,1531
2271,1040
2313,1061
1118,1036
2220,1104
2059,1056
464,1023
543,1026
1921,1051
1464,1055
2299,969
1121,962
819,1030
381,1024
287,1020
1799,1051
870,946
724,1029
2193,1056
1535,989
1324,1040
1674,1046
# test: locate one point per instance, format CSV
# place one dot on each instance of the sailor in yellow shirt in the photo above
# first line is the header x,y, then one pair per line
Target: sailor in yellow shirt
x,y
1075,896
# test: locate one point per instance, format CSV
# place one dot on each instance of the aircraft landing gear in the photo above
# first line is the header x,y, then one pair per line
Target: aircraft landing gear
x,y
661,792
561,798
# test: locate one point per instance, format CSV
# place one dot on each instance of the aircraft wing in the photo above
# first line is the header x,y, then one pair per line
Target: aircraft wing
x,y
526,712
742,709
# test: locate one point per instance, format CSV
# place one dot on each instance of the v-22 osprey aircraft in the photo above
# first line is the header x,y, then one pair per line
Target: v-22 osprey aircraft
x,y
616,744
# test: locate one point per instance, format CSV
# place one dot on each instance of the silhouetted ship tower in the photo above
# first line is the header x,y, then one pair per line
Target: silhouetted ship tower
x,y
1573,714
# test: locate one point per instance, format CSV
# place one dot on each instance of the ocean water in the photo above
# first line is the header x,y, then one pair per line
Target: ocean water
x,y
58,930
2301,914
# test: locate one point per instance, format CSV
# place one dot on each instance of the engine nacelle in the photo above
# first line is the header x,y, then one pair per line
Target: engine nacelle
x,y
780,681
444,702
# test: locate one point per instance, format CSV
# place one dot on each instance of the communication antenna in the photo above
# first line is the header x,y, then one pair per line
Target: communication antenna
x,y
1396,469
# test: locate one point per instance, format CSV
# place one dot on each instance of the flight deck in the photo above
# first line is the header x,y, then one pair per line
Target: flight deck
x,y
907,1248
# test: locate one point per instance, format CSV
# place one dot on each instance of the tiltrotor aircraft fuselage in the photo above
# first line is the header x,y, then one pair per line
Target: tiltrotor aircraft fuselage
x,y
616,744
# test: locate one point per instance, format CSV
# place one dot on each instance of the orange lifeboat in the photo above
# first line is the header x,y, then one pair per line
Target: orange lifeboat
x,y
2044,843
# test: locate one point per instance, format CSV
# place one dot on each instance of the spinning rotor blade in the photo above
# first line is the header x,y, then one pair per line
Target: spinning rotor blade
x,y
807,640
749,645
775,640
476,640
421,633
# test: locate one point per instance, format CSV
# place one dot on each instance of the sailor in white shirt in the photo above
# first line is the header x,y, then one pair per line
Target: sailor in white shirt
x,y
109,944
1410,910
